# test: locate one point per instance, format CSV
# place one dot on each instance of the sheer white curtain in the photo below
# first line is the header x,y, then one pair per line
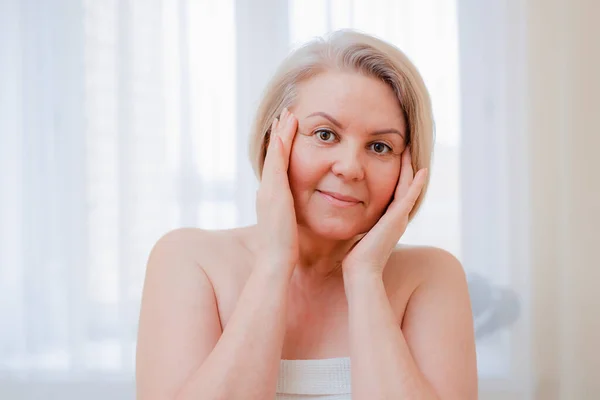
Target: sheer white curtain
x,y
122,119
531,193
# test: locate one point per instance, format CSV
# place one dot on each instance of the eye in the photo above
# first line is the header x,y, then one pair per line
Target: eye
x,y
380,148
325,135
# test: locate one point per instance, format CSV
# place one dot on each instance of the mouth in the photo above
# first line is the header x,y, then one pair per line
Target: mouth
x,y
339,200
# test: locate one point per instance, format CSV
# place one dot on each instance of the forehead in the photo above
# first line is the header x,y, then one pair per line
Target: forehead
x,y
349,96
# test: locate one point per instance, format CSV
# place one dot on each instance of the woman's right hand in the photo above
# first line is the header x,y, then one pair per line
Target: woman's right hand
x,y
276,216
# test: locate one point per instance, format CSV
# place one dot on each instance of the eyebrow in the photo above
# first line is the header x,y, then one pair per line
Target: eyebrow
x,y
339,125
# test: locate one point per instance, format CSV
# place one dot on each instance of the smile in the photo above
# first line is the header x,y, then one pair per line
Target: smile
x,y
336,201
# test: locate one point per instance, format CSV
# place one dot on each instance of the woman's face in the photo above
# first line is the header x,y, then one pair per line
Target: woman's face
x,y
349,142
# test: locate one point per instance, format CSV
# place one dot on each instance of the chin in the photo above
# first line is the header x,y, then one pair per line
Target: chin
x,y
334,229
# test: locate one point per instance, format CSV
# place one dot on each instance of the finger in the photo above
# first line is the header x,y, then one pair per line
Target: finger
x,y
392,224
287,131
271,157
408,202
406,174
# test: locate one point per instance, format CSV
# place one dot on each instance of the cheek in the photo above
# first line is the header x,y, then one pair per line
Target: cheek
x,y
382,186
304,170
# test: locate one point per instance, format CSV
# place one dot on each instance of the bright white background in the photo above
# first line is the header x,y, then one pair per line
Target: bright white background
x,y
123,119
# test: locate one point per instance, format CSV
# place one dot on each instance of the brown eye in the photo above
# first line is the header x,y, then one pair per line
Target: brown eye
x,y
325,135
380,148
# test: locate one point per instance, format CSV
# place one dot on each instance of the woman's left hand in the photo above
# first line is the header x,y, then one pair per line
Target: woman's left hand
x,y
372,251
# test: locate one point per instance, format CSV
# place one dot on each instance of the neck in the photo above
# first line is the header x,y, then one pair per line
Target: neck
x,y
320,257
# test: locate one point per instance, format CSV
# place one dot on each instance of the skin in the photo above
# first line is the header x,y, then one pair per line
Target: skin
x,y
338,151
338,283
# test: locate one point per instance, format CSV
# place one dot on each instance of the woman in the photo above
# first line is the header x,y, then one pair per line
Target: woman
x,y
283,308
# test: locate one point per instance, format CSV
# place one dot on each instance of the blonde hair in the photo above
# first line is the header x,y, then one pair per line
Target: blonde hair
x,y
349,50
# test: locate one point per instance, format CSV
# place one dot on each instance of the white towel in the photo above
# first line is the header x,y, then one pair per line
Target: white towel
x,y
324,379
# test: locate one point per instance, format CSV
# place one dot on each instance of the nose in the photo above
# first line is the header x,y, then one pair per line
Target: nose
x,y
348,163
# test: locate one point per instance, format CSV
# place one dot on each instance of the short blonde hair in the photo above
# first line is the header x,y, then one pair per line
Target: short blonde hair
x,y
349,50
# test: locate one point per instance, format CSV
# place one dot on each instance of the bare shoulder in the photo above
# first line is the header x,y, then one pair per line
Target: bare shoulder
x,y
437,321
181,310
190,241
210,249
410,268
422,264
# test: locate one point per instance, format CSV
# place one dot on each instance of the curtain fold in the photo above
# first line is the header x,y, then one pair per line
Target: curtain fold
x,y
531,187
564,137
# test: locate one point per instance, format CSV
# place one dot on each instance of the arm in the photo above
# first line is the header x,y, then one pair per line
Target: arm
x,y
432,356
181,353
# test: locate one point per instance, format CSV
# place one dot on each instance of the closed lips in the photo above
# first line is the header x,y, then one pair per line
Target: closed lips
x,y
341,197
